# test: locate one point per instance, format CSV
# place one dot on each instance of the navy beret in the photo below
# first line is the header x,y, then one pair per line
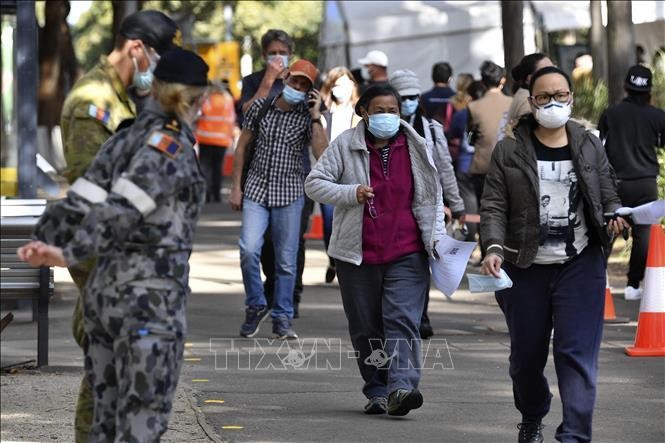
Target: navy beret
x,y
182,66
153,28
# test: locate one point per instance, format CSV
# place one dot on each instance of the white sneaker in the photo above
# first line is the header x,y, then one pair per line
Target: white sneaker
x,y
631,293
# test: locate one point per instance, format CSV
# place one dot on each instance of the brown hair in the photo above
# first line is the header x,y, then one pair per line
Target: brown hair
x,y
333,75
175,97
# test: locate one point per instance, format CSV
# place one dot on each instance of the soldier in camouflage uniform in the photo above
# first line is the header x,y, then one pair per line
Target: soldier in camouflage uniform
x,y
135,209
92,112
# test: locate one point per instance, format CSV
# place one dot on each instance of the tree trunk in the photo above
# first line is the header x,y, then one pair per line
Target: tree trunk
x,y
513,35
620,47
121,9
58,67
598,42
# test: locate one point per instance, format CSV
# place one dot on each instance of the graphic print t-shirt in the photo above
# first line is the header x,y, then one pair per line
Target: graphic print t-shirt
x,y
563,230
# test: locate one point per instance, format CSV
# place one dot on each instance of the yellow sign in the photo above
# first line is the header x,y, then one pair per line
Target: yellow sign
x,y
224,61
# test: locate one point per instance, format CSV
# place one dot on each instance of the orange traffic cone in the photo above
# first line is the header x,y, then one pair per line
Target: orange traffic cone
x,y
610,315
315,228
227,166
650,337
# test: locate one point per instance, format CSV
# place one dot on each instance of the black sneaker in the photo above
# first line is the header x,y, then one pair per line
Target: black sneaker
x,y
425,330
401,401
530,432
376,405
282,330
254,315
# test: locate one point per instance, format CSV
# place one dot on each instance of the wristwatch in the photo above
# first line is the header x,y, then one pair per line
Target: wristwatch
x,y
317,120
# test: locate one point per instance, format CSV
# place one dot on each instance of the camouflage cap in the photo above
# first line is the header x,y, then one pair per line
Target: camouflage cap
x,y
153,28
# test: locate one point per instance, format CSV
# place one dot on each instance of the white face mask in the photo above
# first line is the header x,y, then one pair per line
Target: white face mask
x,y
364,72
342,93
553,115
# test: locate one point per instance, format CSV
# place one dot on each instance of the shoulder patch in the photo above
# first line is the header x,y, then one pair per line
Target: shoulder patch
x,y
99,114
164,143
172,125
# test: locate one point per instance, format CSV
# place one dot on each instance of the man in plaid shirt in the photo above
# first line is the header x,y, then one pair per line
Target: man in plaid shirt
x,y
273,195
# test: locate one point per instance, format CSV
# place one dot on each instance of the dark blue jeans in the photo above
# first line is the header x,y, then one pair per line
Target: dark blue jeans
x,y
383,304
570,298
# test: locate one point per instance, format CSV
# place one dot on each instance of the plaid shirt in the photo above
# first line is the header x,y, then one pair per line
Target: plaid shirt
x,y
277,174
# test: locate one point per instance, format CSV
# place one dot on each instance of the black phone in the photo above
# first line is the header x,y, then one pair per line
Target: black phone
x,y
310,99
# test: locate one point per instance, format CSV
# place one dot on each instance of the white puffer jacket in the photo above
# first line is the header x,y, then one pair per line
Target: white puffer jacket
x,y
345,165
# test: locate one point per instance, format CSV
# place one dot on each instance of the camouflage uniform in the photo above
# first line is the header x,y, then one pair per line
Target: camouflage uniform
x,y
135,209
94,108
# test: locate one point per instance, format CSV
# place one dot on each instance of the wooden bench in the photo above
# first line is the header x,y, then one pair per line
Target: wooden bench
x,y
19,281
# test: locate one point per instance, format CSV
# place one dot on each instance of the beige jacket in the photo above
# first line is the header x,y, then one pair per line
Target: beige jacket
x,y
486,115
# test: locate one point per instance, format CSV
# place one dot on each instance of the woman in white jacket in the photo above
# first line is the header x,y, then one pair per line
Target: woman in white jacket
x,y
381,178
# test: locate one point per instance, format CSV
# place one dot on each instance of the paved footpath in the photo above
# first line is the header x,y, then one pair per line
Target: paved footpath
x,y
260,390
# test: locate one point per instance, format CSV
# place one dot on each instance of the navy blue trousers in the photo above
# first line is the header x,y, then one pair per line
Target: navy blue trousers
x,y
570,298
383,304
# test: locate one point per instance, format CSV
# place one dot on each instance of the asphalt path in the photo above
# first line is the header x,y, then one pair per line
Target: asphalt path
x,y
310,390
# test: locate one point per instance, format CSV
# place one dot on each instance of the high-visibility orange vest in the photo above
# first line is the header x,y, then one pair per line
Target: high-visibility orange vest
x,y
217,120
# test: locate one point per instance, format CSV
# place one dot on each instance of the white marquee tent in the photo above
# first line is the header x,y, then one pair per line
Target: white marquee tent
x,y
417,34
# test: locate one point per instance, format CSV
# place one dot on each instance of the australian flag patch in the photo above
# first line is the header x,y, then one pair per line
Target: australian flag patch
x,y
164,143
99,114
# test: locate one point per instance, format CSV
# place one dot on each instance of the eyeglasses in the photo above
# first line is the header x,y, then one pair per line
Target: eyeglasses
x,y
372,209
543,99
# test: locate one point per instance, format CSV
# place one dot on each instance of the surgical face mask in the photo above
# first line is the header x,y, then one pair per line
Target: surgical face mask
x,y
364,72
285,59
342,93
143,80
489,283
383,126
409,107
292,96
553,115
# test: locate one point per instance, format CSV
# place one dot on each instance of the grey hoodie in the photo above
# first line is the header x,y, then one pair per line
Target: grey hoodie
x,y
345,165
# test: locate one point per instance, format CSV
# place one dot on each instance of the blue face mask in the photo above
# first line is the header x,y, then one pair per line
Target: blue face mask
x,y
285,59
143,80
409,107
292,96
383,126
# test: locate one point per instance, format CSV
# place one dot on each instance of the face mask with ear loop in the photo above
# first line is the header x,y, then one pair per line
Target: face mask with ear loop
x,y
143,80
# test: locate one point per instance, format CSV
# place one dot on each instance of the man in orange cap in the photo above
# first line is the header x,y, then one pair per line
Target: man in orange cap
x,y
277,132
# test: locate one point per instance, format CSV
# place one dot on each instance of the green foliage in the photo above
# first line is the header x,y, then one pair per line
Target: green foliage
x,y
92,34
658,85
300,19
590,99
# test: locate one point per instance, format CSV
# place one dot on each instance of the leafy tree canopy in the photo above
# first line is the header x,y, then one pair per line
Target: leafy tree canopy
x,y
301,19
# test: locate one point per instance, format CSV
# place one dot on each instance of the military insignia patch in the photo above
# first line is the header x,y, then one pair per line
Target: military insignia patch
x,y
99,114
165,144
172,125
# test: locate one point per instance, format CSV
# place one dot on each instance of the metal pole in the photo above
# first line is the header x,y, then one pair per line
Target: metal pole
x,y
27,63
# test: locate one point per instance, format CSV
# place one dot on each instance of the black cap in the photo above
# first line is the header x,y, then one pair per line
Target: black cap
x,y
638,79
153,28
182,66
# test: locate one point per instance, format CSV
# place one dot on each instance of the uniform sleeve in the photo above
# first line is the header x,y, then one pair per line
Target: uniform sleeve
x,y
151,177
84,136
62,218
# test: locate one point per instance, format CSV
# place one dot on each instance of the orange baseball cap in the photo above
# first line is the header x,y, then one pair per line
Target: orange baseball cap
x,y
304,68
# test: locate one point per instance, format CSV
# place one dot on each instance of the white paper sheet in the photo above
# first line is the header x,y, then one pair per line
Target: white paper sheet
x,y
647,214
448,270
